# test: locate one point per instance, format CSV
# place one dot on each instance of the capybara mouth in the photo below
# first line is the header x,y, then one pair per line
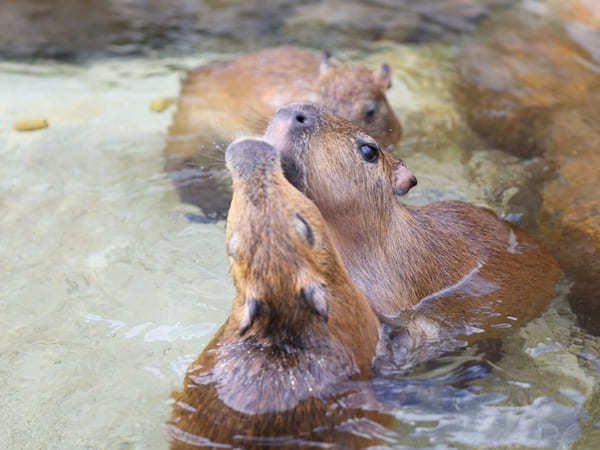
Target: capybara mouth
x,y
292,172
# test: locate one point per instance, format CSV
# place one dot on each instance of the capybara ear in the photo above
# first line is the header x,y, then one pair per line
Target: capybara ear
x,y
404,180
303,229
383,77
233,245
324,64
315,297
251,311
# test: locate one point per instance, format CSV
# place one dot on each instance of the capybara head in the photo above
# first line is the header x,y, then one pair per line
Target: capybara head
x,y
358,94
281,259
341,168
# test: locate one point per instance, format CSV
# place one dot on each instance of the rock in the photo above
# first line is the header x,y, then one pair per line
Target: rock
x,y
450,161
516,76
341,23
553,344
30,124
530,86
356,23
72,29
585,12
570,222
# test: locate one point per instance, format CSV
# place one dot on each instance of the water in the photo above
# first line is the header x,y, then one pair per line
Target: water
x,y
109,291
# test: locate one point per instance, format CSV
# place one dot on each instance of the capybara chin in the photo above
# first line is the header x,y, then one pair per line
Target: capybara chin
x,y
448,265
291,364
226,100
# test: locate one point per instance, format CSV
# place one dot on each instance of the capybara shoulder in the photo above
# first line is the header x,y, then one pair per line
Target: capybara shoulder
x,y
300,337
225,100
454,263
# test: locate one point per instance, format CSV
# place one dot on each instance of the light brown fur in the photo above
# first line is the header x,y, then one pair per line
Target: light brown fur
x,y
293,369
447,268
225,100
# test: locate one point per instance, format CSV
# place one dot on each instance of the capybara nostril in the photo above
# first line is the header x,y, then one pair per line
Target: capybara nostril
x,y
297,116
302,119
289,121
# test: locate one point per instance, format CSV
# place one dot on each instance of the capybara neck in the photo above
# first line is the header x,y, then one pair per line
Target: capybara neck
x,y
422,253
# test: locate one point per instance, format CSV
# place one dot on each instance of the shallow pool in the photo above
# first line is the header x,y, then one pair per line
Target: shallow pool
x,y
108,291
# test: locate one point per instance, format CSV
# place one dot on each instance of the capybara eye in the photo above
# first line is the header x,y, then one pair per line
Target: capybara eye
x,y
369,152
370,111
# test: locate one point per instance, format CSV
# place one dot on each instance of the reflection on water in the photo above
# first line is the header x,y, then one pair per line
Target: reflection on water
x,y
109,291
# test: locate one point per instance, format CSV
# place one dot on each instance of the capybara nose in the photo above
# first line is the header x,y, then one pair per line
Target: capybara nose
x,y
297,116
289,121
301,120
245,155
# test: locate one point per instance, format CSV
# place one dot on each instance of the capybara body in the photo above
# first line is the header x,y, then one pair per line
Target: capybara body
x,y
448,267
291,364
225,100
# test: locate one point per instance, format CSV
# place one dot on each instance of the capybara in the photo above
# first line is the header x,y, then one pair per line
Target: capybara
x,y
291,365
225,100
448,265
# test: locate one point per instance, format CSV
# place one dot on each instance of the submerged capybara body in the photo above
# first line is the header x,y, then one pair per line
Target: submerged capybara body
x,y
225,100
448,266
290,366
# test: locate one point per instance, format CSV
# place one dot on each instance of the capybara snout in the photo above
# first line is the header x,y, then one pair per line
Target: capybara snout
x,y
245,156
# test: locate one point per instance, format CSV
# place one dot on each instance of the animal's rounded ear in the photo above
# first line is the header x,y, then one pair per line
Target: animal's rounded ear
x,y
383,77
404,180
303,229
324,63
233,244
250,312
314,295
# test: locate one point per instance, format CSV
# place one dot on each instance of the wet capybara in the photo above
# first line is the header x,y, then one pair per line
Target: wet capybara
x,y
449,266
222,101
291,364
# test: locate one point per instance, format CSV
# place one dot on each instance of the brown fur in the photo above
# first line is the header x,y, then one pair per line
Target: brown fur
x,y
225,100
447,267
293,367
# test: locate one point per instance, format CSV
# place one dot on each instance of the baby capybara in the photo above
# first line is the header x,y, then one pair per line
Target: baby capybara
x,y
447,266
291,364
225,100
